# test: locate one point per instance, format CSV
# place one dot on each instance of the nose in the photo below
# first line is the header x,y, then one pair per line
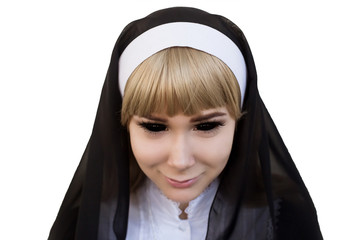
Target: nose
x,y
181,154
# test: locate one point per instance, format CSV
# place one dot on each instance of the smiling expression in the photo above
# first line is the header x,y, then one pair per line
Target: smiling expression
x,y
182,154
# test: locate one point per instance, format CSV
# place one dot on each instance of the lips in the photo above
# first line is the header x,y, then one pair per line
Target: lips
x,y
181,184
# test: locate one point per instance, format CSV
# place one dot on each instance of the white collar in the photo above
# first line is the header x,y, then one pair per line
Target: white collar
x,y
153,216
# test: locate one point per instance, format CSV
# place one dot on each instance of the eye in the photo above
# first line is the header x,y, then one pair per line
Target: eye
x,y
153,127
208,126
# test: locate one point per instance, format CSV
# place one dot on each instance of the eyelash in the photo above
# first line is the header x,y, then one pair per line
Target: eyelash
x,y
152,127
205,127
209,126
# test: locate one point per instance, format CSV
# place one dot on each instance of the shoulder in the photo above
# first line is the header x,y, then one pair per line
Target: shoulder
x,y
297,220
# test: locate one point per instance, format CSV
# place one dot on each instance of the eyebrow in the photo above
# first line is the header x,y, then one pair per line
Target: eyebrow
x,y
207,116
156,119
194,119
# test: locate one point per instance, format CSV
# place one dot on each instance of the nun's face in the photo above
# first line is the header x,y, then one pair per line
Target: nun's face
x,y
182,154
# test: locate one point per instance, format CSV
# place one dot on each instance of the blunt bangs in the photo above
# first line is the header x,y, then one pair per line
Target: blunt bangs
x,y
180,80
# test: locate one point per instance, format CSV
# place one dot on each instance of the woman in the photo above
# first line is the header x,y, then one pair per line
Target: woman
x,y
186,148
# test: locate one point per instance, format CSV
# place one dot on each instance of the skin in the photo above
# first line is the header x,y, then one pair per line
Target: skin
x,y
182,154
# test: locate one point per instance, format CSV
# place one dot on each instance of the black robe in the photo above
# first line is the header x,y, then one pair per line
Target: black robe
x,y
260,176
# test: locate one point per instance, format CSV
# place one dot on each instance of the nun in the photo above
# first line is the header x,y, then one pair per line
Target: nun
x,y
182,145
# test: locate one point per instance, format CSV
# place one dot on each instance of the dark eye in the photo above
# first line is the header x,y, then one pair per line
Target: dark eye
x,y
208,126
153,127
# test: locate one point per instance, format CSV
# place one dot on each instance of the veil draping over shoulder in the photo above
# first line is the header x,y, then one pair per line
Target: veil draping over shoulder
x,y
260,188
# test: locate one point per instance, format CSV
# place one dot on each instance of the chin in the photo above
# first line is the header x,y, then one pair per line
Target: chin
x,y
181,195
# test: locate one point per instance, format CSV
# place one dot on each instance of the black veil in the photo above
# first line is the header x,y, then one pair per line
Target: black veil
x,y
260,190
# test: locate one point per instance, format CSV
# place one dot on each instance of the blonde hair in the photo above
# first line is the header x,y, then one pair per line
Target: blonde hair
x,y
180,79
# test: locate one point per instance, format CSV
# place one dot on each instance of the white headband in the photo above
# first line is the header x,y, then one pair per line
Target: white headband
x,y
182,34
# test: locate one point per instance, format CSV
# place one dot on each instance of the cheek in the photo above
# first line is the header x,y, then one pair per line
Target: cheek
x,y
215,152
147,153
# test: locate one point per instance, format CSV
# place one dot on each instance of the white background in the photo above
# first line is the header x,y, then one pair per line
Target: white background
x,y
53,60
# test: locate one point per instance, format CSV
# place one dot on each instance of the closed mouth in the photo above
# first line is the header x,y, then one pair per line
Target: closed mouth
x,y
181,183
